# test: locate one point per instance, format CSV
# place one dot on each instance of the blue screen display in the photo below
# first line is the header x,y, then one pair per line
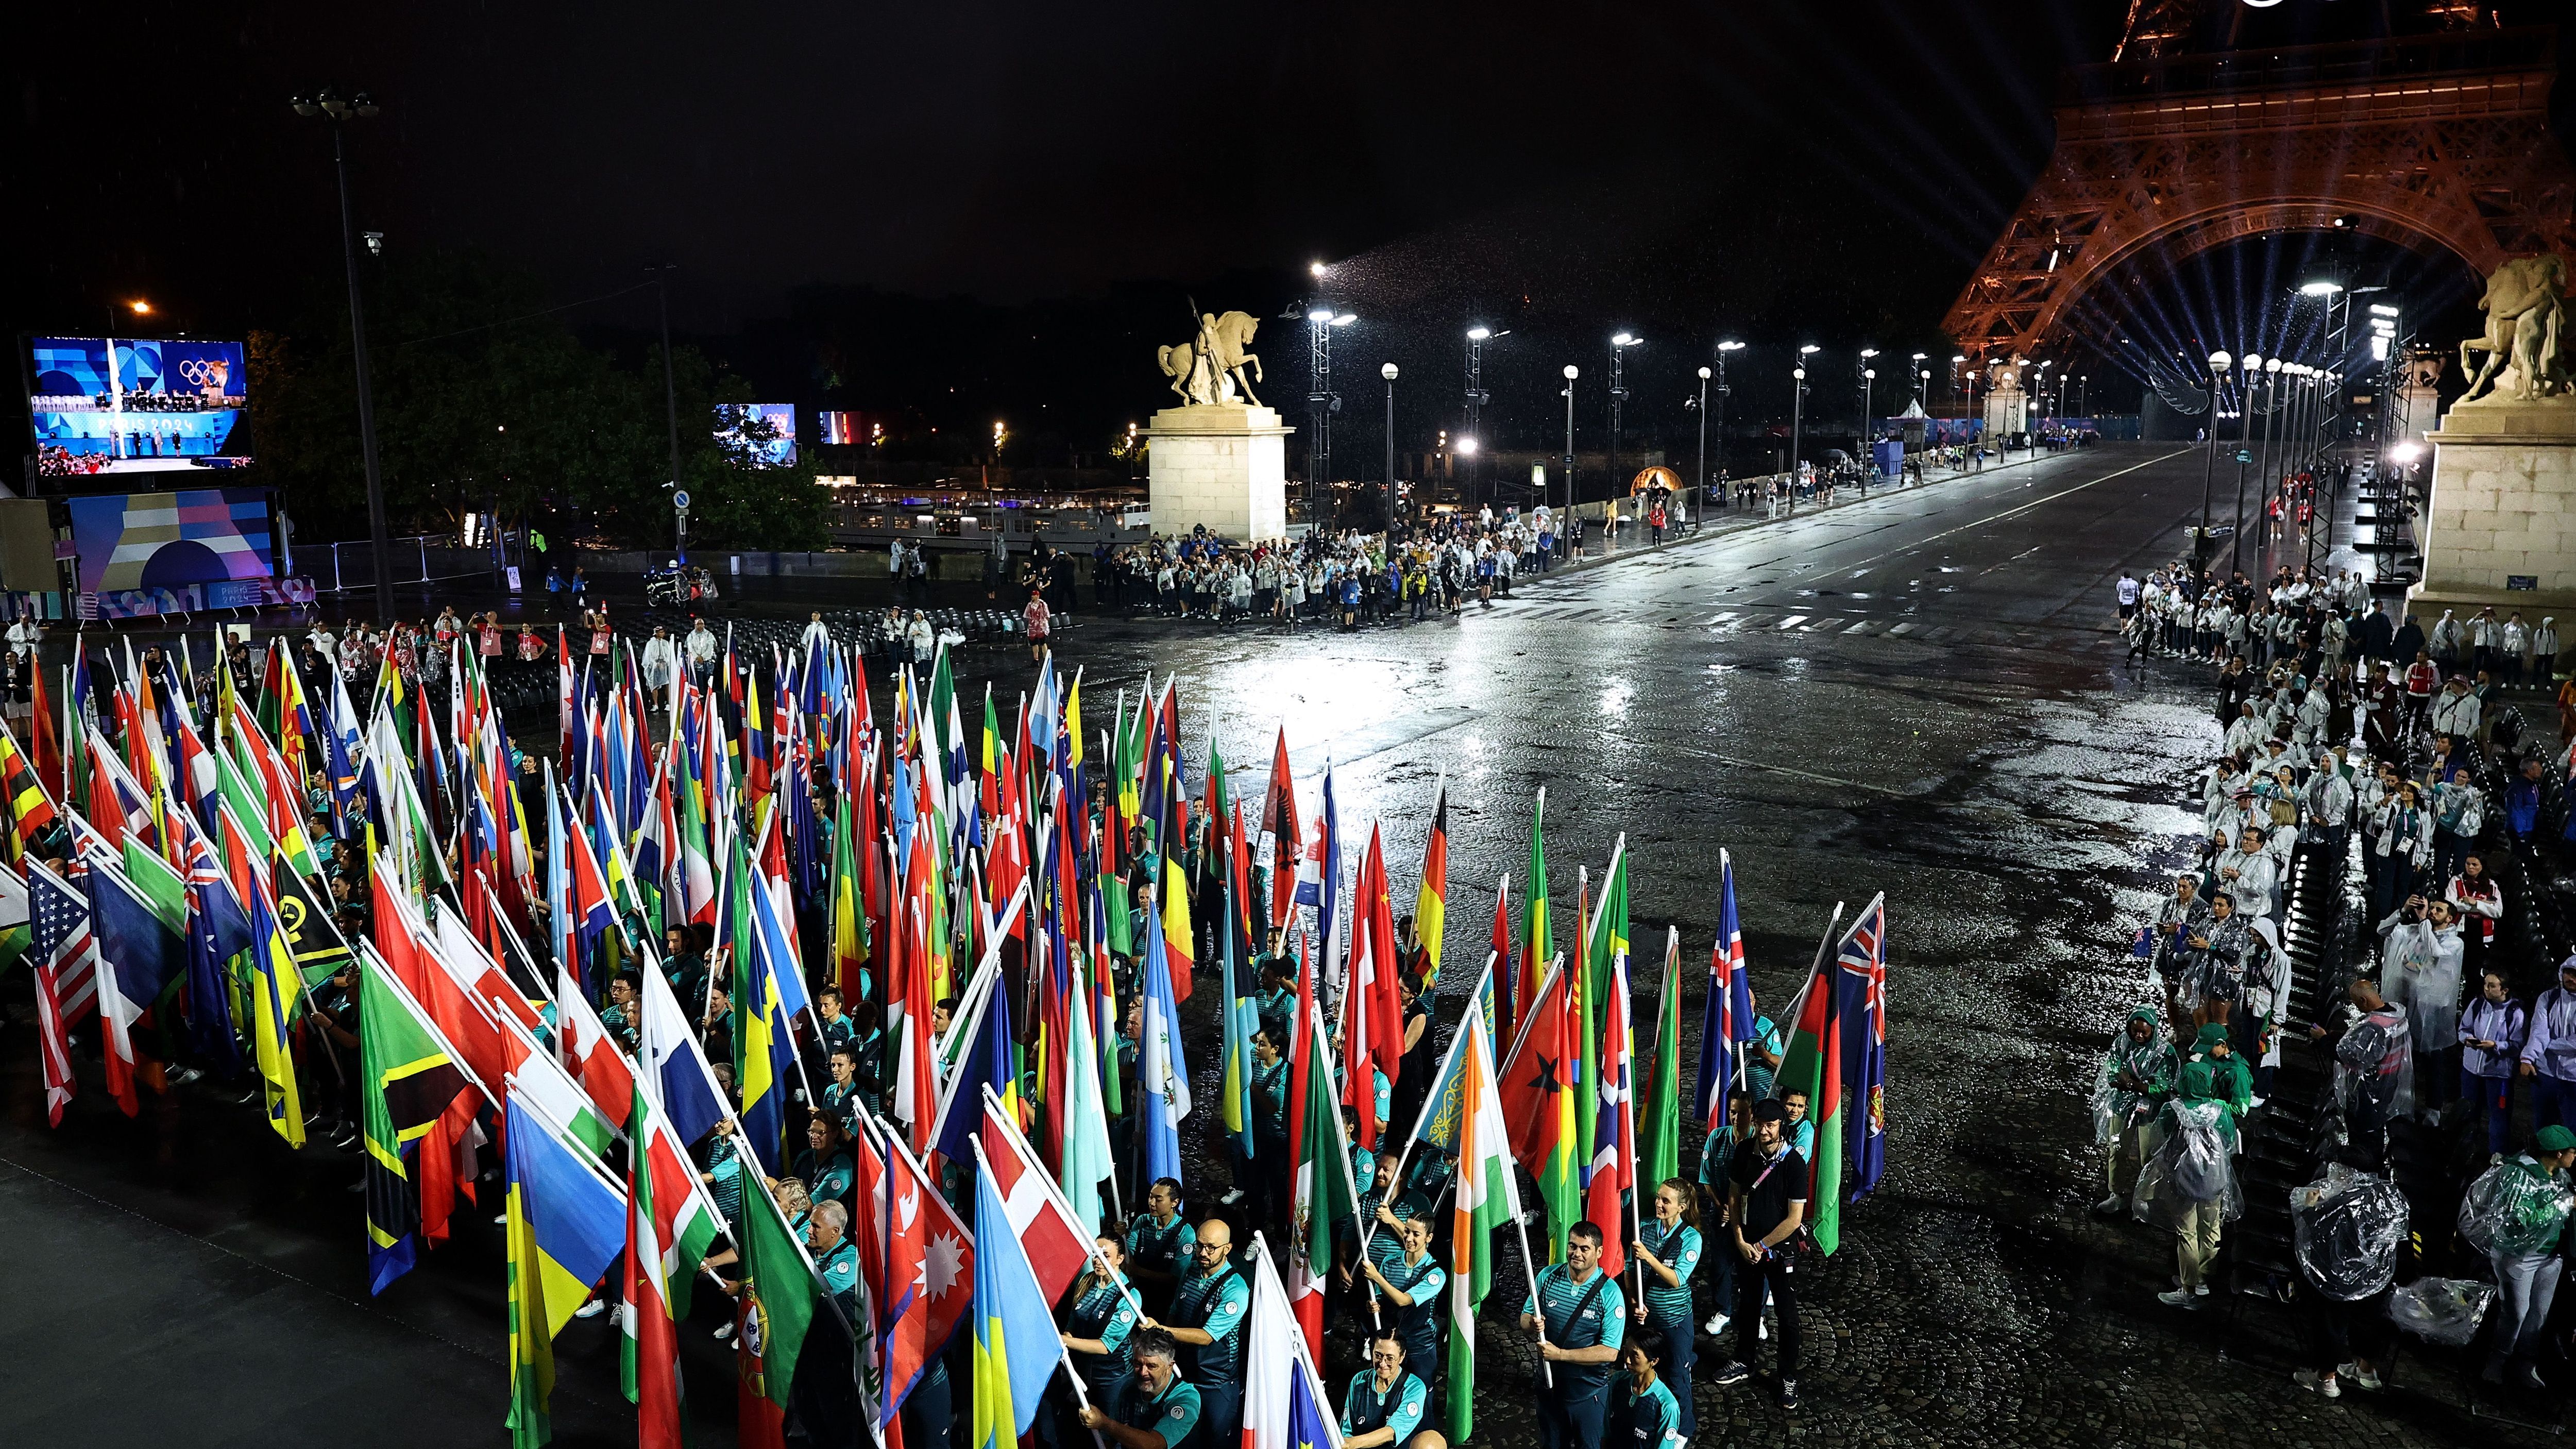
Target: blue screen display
x,y
138,405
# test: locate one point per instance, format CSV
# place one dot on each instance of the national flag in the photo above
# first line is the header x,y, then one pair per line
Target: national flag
x,y
1614,1133
589,1054
1500,1005
1016,1343
1279,848
1055,1239
274,984
66,972
1538,935
989,1060
564,1223
409,1078
779,1289
1162,1074
1284,1403
1180,938
1431,898
138,954
670,1225
1537,1088
1487,1196
1726,1018
1813,1063
929,1268
1659,1121
1861,970
1322,1192
1087,1149
30,809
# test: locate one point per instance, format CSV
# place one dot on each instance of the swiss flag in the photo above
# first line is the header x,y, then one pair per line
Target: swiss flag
x,y
1043,1221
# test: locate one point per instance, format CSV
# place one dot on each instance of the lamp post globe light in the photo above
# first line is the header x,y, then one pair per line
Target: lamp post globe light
x,y
1619,345
2218,364
1477,397
328,106
1723,393
2244,435
1797,419
1388,372
1705,374
2274,371
1571,373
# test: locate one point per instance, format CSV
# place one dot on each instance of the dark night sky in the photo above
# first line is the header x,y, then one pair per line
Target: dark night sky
x,y
1822,170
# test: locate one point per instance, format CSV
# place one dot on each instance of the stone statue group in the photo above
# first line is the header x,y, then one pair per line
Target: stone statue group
x,y
2526,342
1209,368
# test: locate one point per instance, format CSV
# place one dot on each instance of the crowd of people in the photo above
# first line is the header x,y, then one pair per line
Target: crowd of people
x,y
2355,747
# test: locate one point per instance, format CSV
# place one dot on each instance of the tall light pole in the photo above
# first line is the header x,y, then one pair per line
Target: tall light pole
x,y
2275,374
1704,375
671,407
1571,373
2218,364
1868,376
1388,372
1477,397
1619,346
1723,393
329,106
2244,435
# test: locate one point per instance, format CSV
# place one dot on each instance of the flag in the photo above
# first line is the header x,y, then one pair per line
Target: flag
x,y
30,810
1726,1019
564,1224
777,1307
273,985
1016,1343
594,1060
1861,971
66,972
682,1080
1537,1088
1813,1064
1087,1151
1605,952
1284,1404
1180,938
1162,1075
1431,898
1538,935
1279,848
1487,1197
1323,1193
1499,1001
988,1061
1055,1240
929,1267
1659,1124
1614,1134
409,1077
138,955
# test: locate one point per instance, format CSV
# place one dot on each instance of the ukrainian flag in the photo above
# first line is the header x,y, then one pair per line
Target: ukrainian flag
x,y
1016,1345
565,1224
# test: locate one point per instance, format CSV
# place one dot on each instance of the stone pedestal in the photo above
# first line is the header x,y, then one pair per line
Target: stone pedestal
x,y
1224,465
2007,412
2499,524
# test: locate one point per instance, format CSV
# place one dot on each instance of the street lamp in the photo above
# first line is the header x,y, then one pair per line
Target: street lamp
x,y
2244,435
1797,415
2274,370
2218,364
1477,397
1704,375
329,106
1571,373
1321,401
1619,346
1723,393
1388,372
671,408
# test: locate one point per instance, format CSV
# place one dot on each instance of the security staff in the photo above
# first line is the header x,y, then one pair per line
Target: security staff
x,y
1385,1403
1153,1407
1158,1244
1207,1322
1580,1320
1408,1293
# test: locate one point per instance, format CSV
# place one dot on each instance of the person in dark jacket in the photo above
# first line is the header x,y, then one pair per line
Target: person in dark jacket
x,y
2378,636
2408,640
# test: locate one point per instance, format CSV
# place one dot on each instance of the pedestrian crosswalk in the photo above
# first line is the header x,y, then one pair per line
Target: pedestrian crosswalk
x,y
1805,624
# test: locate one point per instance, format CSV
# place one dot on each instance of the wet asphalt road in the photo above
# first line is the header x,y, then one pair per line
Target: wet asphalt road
x,y
1917,693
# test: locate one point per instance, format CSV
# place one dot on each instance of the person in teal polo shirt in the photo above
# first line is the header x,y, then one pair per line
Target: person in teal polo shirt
x,y
1579,1319
825,1162
1208,1310
835,1256
1152,1407
1667,1249
1384,1405
1159,1243
1099,1319
1407,1293
1645,1414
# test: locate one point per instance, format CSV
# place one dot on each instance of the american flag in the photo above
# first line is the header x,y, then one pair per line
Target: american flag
x,y
66,976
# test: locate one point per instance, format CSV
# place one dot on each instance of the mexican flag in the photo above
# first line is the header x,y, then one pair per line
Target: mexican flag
x,y
1812,1064
1319,1169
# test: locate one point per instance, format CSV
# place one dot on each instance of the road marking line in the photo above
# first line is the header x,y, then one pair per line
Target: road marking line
x,y
1791,622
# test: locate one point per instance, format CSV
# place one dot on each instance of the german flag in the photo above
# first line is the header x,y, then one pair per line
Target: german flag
x,y
1431,901
29,810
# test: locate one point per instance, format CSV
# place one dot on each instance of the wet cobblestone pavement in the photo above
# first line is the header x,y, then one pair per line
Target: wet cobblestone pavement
x,y
1918,694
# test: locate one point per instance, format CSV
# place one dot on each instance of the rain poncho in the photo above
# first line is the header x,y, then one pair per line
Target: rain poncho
x,y
2205,1076
2346,1227
2192,1168
2267,971
2441,1310
2376,1055
2420,974
2516,1209
2151,1065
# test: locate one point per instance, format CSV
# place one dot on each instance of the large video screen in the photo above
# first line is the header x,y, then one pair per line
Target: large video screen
x,y
764,432
139,542
160,405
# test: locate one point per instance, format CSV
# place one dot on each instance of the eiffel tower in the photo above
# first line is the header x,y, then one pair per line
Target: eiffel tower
x,y
2438,141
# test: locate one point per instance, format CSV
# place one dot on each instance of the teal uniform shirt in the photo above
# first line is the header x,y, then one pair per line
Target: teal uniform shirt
x,y
841,1102
1382,1092
1276,1009
1385,1248
1714,1155
1102,1311
1653,1418
840,1270
725,1166
1270,1099
829,1180
1161,1247
1572,1322
1679,1248
1365,1409
1420,1324
1216,1303
1757,1077
1173,1413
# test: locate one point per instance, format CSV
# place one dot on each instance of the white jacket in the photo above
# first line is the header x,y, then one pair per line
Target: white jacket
x,y
2455,715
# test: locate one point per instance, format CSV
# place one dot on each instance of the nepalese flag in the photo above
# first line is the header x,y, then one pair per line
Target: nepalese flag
x,y
1861,974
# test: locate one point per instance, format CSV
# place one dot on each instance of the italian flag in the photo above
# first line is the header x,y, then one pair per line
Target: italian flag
x,y
1488,1197
1320,1170
669,1225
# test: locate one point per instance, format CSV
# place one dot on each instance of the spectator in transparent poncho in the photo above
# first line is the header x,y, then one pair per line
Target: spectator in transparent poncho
x,y
2516,1214
2129,1092
2190,1185
2374,1075
2345,1230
